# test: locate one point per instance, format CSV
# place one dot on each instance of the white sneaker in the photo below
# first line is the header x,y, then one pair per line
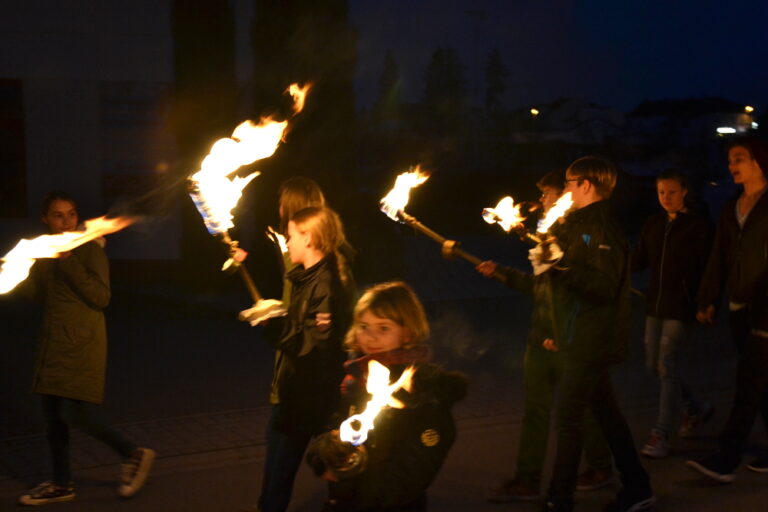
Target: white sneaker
x,y
134,472
657,446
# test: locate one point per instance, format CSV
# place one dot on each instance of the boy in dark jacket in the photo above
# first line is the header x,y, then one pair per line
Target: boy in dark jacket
x,y
674,244
590,287
740,258
542,371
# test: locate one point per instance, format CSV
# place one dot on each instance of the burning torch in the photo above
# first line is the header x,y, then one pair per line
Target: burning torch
x,y
507,215
341,452
216,194
19,260
394,203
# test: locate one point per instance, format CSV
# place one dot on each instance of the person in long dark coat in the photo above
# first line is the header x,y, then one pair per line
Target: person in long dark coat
x,y
72,358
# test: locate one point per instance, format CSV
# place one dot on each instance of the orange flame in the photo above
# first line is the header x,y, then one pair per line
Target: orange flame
x,y
562,205
381,390
506,214
397,198
299,94
214,192
19,260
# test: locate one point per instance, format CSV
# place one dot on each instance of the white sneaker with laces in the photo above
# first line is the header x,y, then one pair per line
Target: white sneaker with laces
x,y
134,472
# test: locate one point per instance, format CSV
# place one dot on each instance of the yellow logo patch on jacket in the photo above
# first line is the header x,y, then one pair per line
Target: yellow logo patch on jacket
x,y
430,437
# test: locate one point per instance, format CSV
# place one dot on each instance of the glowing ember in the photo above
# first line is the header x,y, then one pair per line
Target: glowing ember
x,y
355,428
558,209
398,197
19,260
216,194
506,214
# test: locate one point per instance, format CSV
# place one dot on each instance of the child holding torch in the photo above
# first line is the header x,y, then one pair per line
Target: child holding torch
x,y
72,359
407,446
542,371
308,364
590,289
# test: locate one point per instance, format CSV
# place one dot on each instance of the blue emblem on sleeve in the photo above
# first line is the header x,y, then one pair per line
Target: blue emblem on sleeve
x,y
587,238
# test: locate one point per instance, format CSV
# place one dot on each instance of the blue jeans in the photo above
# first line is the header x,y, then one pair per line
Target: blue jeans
x,y
285,451
664,338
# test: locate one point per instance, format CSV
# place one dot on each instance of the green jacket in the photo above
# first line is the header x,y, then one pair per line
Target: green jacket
x,y
72,358
590,287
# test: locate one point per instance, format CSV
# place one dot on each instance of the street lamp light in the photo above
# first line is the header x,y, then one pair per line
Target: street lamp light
x,y
749,109
535,112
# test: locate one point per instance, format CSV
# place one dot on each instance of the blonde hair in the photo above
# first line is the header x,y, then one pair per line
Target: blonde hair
x,y
598,171
295,194
327,233
394,301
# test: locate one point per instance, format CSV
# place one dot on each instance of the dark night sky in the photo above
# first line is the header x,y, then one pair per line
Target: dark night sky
x,y
613,52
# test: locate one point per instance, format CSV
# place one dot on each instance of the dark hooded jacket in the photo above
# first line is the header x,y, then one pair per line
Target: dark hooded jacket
x,y
72,358
407,446
590,287
739,258
676,252
308,364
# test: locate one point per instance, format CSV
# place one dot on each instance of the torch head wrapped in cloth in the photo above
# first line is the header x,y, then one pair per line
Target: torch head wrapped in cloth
x,y
334,459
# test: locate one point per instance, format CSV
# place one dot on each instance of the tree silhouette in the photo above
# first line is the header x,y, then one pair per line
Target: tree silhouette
x,y
495,82
444,91
308,41
388,101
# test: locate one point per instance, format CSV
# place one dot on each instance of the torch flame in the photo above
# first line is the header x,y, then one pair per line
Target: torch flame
x,y
19,260
298,94
397,198
506,214
216,194
381,390
562,205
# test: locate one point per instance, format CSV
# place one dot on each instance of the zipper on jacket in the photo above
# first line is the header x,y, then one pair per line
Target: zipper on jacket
x,y
667,228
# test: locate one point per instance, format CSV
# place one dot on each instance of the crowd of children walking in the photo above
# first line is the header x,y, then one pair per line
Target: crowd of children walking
x,y
579,333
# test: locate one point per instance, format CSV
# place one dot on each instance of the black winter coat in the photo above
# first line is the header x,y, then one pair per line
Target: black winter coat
x,y
590,287
407,447
739,258
676,252
308,363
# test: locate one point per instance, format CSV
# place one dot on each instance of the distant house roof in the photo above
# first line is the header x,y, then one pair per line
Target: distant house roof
x,y
689,107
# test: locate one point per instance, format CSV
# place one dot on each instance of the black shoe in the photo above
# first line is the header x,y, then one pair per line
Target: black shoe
x,y
48,492
713,468
627,501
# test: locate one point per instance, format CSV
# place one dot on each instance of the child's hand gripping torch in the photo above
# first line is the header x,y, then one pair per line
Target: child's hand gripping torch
x,y
262,309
